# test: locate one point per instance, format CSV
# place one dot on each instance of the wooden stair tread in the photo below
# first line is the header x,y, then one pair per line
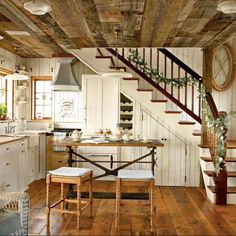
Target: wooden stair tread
x,y
197,133
227,159
130,78
173,112
104,57
229,189
231,144
229,173
118,67
145,90
182,122
159,100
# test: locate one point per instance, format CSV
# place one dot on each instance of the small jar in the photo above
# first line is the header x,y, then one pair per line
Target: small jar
x,y
119,132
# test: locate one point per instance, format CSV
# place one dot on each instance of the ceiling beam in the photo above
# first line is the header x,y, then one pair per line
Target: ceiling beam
x,y
90,15
169,11
222,37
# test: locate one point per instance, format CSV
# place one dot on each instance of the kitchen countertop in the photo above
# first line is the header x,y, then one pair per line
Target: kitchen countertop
x,y
8,139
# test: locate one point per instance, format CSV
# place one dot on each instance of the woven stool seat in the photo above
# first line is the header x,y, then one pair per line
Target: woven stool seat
x,y
69,175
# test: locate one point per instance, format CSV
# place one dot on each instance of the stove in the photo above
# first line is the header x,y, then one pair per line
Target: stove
x,y
64,131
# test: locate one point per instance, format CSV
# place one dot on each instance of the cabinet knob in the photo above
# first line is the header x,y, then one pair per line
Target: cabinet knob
x,y
23,151
8,185
7,164
7,148
164,139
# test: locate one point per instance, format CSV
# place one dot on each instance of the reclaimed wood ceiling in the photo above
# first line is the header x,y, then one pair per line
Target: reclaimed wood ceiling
x,y
91,23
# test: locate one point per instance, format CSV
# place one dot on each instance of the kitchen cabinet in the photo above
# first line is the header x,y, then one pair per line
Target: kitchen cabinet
x,y
126,113
8,167
56,156
100,102
23,175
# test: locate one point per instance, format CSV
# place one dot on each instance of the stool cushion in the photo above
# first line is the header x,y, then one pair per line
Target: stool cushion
x,y
135,174
70,171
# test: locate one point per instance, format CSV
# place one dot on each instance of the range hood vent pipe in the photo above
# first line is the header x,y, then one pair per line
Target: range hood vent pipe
x,y
65,79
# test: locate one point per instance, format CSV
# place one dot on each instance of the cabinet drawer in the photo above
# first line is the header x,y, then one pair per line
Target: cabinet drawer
x,y
23,144
8,183
8,164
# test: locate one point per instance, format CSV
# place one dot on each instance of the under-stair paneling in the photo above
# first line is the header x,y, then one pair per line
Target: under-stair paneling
x,y
226,100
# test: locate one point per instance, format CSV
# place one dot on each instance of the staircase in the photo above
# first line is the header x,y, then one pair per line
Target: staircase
x,y
182,102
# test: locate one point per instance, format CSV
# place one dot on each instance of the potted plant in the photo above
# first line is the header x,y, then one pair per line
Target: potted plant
x,y
3,111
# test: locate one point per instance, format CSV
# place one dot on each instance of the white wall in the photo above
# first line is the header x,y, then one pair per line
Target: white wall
x,y
226,100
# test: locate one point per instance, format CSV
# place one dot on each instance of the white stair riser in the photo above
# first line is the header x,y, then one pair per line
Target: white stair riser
x,y
231,166
205,152
231,198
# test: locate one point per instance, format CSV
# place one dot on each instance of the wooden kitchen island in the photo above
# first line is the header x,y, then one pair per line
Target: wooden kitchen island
x,y
151,144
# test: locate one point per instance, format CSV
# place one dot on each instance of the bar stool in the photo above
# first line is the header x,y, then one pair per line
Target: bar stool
x,y
69,175
135,177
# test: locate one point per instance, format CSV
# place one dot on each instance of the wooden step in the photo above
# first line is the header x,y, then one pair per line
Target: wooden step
x,y
173,112
145,90
197,133
229,189
159,100
130,78
118,67
227,159
231,144
229,173
104,57
186,122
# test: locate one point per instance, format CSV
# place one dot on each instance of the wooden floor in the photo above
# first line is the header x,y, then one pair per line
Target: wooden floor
x,y
180,211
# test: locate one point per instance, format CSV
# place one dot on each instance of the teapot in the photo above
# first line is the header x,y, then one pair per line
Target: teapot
x,y
76,135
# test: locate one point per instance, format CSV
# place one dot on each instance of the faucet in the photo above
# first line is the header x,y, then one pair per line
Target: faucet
x,y
9,129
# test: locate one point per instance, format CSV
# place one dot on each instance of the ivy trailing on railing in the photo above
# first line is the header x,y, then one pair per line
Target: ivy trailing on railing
x,y
219,127
153,73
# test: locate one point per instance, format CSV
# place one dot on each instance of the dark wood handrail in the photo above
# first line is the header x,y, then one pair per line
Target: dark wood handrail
x,y
155,85
182,65
212,105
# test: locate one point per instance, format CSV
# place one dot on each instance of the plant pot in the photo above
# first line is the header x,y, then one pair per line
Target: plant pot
x,y
3,117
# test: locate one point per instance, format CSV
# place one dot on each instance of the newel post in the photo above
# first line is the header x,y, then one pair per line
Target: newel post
x,y
207,83
221,179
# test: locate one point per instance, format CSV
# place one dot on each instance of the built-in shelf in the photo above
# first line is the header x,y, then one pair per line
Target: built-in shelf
x,y
126,113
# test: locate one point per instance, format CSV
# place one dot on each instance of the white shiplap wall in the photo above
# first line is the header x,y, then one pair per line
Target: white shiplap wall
x,y
226,100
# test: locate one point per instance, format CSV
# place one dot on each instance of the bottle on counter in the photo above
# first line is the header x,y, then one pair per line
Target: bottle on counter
x,y
119,132
22,124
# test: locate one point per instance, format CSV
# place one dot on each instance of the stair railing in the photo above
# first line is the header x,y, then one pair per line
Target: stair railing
x,y
217,146
186,97
213,138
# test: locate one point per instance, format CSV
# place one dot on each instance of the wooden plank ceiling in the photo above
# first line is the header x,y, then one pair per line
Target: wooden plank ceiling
x,y
91,23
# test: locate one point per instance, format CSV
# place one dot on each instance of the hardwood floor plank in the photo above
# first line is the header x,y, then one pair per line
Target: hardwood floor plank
x,y
209,210
179,221
180,211
195,218
164,223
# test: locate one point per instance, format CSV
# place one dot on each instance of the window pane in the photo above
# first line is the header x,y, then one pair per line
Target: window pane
x,y
43,99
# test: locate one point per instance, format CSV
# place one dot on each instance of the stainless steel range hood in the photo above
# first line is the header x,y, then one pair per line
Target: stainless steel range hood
x,y
65,79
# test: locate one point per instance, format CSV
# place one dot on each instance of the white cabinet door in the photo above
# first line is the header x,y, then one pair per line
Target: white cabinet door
x,y
8,167
100,101
171,161
110,101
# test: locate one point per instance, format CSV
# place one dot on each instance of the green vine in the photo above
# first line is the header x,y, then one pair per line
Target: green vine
x,y
218,126
140,64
